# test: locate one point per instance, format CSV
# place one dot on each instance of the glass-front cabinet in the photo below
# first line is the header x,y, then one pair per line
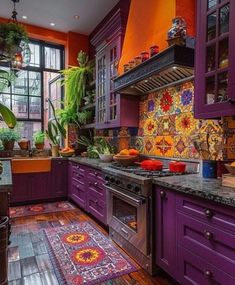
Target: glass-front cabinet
x,y
215,59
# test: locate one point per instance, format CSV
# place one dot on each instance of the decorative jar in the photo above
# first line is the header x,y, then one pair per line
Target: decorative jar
x,y
177,33
154,50
144,56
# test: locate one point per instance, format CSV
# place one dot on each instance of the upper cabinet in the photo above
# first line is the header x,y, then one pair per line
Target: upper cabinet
x,y
112,109
215,59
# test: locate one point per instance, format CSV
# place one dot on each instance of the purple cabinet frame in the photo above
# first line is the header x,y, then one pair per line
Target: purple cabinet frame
x,y
226,108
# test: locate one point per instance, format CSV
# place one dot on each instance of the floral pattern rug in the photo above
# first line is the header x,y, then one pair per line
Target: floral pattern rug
x,y
82,255
37,209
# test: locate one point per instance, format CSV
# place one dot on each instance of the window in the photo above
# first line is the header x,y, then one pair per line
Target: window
x,y
33,84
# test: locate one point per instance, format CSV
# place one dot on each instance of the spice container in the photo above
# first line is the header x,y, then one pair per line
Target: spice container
x,y
126,67
137,60
154,50
144,56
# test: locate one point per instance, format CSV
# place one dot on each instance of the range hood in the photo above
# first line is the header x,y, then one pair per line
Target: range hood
x,y
170,67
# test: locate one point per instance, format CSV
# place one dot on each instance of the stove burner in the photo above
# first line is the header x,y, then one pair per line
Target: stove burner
x,y
149,174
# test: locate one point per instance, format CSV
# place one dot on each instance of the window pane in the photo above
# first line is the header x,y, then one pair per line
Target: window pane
x,y
223,53
4,88
26,129
20,106
211,3
5,99
20,84
34,83
224,19
211,26
34,108
52,58
210,90
210,58
35,55
222,87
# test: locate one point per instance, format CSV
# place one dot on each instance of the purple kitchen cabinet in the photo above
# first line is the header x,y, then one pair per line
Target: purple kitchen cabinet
x,y
40,186
166,231
215,59
59,178
21,190
194,270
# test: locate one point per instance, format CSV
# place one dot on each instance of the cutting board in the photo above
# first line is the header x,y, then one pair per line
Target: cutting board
x,y
228,180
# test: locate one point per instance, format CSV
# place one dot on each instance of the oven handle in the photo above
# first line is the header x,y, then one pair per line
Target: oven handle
x,y
125,196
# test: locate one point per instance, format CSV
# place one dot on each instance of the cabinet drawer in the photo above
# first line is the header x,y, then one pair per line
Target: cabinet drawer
x,y
207,212
212,244
78,194
78,168
97,207
194,270
97,187
95,174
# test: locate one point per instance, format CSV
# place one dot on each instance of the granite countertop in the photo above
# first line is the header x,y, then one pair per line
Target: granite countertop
x,y
92,162
6,176
194,184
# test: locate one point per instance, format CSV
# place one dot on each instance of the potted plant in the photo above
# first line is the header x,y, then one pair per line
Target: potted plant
x,y
39,138
55,131
11,34
8,138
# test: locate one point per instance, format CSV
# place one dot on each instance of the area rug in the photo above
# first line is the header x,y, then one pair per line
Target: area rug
x,y
82,255
37,209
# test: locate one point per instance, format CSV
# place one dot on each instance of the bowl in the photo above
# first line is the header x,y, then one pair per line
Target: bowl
x,y
67,154
230,168
125,160
106,157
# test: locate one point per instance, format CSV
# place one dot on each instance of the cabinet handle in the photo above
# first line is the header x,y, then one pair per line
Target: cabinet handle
x,y
59,162
163,194
208,235
209,213
96,174
208,274
96,183
77,166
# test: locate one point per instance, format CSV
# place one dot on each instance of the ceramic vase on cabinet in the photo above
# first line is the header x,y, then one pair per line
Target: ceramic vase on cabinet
x,y
177,33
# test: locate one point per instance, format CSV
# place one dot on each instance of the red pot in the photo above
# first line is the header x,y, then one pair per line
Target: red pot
x,y
151,165
177,166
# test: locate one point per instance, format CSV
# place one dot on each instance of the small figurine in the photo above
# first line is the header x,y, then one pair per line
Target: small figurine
x,y
177,33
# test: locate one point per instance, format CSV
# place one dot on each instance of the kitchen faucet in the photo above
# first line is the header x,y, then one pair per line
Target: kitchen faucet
x,y
29,150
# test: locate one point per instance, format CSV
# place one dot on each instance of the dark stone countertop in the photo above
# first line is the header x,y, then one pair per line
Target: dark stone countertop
x,y
92,162
195,185
6,176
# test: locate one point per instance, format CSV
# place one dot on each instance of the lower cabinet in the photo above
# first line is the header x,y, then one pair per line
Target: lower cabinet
x,y
87,191
195,240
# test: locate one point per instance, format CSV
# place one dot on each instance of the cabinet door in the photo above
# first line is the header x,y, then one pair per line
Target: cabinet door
x,y
40,186
21,190
166,230
215,59
59,178
78,194
101,89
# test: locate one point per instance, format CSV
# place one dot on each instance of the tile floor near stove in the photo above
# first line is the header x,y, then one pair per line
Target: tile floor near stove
x,y
29,260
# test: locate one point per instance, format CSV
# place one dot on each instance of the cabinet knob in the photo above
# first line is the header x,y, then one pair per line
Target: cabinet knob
x,y
77,166
208,235
96,183
96,173
208,274
59,162
208,213
163,194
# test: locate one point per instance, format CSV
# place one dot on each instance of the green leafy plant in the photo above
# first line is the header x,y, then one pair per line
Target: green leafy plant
x,y
39,137
76,80
103,146
55,131
69,116
7,135
11,34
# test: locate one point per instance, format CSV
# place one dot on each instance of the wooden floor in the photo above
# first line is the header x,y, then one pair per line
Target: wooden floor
x,y
29,263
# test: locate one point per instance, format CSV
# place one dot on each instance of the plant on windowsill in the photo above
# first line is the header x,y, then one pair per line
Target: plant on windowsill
x,y
8,138
39,138
55,132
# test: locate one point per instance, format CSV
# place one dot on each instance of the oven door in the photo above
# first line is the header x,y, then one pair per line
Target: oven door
x,y
127,215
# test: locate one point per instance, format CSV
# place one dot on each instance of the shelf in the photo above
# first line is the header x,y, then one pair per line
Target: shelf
x,y
88,126
88,106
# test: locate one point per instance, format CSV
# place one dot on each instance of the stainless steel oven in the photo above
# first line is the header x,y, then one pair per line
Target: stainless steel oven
x,y
127,215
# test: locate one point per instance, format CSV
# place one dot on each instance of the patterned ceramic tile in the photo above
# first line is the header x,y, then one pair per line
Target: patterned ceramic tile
x,y
181,146
165,102
148,145
150,127
186,124
230,147
139,144
184,98
166,125
164,146
210,126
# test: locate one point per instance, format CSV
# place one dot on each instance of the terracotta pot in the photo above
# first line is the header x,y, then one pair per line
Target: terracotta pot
x,y
23,144
8,145
39,145
55,150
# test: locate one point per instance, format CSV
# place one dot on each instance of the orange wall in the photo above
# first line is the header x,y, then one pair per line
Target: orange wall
x,y
148,23
73,42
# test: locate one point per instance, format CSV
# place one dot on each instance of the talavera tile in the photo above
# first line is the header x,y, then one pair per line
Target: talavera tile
x,y
181,146
210,126
186,124
166,125
230,147
184,98
164,146
165,102
148,145
150,127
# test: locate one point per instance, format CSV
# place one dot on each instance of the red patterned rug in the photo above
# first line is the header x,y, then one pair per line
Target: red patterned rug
x,y
37,209
82,255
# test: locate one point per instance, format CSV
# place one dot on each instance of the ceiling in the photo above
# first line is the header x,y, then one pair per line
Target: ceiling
x,y
61,13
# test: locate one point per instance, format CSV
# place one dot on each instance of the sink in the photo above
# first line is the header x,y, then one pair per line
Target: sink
x,y
31,164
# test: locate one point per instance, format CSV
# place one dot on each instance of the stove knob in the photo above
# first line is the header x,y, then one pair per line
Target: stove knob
x,y
137,189
117,181
129,186
106,178
111,180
